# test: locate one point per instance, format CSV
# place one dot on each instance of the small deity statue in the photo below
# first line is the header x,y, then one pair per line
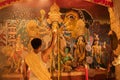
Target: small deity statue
x,y
80,50
96,51
61,42
96,48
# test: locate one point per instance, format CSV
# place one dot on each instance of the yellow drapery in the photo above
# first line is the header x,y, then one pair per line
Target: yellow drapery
x,y
37,67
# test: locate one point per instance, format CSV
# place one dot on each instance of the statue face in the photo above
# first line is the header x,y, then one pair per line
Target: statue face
x,y
80,38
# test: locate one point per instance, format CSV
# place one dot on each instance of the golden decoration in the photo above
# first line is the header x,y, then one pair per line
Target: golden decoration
x,y
54,14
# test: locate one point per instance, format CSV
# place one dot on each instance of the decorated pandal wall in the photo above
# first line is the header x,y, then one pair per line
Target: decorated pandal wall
x,y
78,43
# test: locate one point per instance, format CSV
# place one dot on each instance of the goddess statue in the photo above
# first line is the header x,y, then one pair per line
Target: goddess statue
x,y
55,19
80,50
61,42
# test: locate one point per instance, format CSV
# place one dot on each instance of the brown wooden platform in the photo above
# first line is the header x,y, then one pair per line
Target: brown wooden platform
x,y
12,76
94,74
78,75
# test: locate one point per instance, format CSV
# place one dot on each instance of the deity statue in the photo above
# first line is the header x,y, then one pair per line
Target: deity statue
x,y
54,18
61,42
80,50
96,52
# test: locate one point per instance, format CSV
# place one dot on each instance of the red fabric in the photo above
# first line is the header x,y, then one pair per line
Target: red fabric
x,y
104,2
7,2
